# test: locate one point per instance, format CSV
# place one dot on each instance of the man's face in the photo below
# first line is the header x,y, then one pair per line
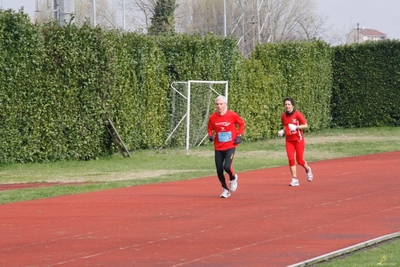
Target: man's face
x,y
220,105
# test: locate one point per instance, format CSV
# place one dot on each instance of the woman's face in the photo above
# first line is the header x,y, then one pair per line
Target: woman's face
x,y
288,106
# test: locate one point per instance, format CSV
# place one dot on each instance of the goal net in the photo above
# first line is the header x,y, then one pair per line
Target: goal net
x,y
191,104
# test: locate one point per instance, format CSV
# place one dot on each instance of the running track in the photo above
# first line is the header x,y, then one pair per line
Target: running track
x,y
264,223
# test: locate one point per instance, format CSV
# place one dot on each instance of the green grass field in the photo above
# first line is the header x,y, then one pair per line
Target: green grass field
x,y
156,166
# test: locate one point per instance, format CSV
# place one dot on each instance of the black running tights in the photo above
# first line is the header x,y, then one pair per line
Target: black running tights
x,y
223,162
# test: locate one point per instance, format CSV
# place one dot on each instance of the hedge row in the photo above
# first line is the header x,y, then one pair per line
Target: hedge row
x,y
58,84
366,84
301,70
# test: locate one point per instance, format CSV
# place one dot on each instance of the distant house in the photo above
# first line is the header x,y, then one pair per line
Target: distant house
x,y
360,35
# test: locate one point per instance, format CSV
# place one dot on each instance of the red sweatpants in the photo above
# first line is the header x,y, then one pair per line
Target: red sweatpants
x,y
295,148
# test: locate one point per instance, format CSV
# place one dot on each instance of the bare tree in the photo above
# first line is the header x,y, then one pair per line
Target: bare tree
x,y
137,14
83,12
253,21
131,15
291,19
142,11
44,12
106,15
199,16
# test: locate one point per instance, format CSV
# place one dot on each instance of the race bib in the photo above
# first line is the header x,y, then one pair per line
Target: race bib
x,y
224,137
289,132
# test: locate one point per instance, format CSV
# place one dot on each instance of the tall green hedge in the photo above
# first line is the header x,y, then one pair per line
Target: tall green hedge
x,y
75,76
301,70
366,81
199,57
21,95
139,92
205,58
256,97
59,84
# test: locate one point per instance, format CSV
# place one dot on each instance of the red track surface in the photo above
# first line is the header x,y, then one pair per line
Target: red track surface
x,y
264,223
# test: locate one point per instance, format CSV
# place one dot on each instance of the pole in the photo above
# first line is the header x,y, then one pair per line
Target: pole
x,y
224,18
358,30
123,15
94,13
55,10
258,22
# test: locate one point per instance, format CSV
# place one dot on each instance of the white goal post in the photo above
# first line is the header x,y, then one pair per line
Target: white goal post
x,y
186,95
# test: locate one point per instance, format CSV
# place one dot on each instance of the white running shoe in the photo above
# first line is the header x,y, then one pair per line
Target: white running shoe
x,y
309,175
295,182
234,184
225,193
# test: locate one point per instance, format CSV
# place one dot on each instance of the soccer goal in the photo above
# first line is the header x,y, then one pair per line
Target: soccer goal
x,y
191,104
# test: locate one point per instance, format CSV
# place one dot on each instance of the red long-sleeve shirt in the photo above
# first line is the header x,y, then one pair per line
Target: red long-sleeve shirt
x,y
226,127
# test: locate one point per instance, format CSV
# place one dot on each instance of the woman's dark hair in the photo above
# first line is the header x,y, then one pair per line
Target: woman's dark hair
x,y
289,99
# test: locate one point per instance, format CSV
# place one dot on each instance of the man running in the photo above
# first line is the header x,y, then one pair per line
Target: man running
x,y
225,128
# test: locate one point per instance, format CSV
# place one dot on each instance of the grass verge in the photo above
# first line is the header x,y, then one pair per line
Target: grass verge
x,y
155,166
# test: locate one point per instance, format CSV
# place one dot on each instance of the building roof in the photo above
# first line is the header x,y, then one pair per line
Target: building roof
x,y
371,32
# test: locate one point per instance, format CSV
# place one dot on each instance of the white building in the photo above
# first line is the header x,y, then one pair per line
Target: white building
x,y
359,35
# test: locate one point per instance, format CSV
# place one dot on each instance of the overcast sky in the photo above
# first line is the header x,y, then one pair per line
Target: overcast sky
x,y
343,15
380,15
29,5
